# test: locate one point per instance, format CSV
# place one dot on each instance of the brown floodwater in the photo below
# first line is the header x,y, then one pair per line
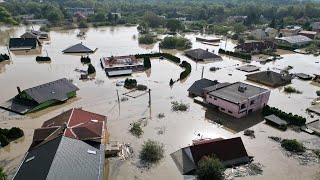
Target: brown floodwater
x,y
180,129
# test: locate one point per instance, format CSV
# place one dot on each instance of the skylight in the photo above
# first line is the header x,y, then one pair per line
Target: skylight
x,y
92,151
94,120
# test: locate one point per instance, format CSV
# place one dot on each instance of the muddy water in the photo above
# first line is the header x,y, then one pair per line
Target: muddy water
x,y
180,128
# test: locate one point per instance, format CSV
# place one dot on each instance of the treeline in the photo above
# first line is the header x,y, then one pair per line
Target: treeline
x,y
236,54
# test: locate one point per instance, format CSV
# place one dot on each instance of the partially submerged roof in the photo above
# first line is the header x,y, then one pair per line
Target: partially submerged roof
x,y
275,119
252,46
248,68
197,88
296,39
63,158
124,72
79,48
55,90
200,54
23,43
237,92
270,78
229,151
28,35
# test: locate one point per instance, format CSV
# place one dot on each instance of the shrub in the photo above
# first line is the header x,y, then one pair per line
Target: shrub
x,y
292,145
283,127
160,115
3,140
15,133
210,168
236,54
146,39
290,89
43,58
249,133
3,175
44,28
141,87
130,83
85,60
91,69
165,55
171,82
147,62
4,57
174,42
151,152
176,106
136,129
318,93
289,118
83,24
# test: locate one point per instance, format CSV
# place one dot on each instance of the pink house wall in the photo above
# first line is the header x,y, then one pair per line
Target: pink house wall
x,y
234,109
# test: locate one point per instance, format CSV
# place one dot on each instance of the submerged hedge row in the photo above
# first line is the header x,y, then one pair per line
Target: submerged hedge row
x,y
236,54
165,55
289,117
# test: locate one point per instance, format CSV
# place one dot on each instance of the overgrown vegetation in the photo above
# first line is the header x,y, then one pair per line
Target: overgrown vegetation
x,y
83,24
318,93
160,115
151,152
236,54
179,106
292,145
176,42
4,57
146,39
7,135
290,89
288,117
147,62
91,69
43,58
136,129
130,83
210,168
141,87
187,70
249,132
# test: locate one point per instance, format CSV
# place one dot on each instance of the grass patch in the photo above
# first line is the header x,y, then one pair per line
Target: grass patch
x,y
290,89
151,152
136,129
179,106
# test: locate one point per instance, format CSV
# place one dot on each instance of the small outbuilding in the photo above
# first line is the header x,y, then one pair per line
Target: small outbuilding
x,y
270,78
80,48
303,76
248,68
275,120
202,55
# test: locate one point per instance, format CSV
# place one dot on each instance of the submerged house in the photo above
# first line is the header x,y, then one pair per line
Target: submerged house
x,y
270,78
202,87
41,96
80,48
293,41
16,44
238,99
255,47
202,55
229,151
70,146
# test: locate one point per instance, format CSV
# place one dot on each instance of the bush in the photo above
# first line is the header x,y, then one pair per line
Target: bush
x,y
2,174
176,106
289,118
292,145
174,42
4,57
146,39
130,83
210,168
283,127
136,129
147,62
165,55
43,58
318,93
85,60
83,24
290,89
91,69
236,54
171,82
15,133
141,87
44,28
3,140
151,152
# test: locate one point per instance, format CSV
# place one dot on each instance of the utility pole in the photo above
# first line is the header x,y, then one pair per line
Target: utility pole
x,y
149,97
9,52
118,96
202,72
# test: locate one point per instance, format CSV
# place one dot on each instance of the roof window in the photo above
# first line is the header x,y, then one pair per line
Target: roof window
x,y
91,152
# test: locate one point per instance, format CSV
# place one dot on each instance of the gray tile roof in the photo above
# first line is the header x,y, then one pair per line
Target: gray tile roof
x,y
296,39
65,159
23,42
269,78
197,88
53,90
232,94
79,48
275,119
200,54
28,35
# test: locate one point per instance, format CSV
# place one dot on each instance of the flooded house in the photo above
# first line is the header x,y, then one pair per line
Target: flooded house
x,y
238,99
41,96
310,34
202,55
270,78
316,78
197,88
230,152
80,48
121,65
255,47
293,41
290,31
68,146
28,35
19,44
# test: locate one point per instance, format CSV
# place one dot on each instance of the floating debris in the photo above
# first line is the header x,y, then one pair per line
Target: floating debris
x,y
251,169
277,139
124,99
161,130
99,82
249,133
160,115
214,68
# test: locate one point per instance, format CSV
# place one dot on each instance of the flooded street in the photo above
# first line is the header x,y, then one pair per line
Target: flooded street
x,y
100,96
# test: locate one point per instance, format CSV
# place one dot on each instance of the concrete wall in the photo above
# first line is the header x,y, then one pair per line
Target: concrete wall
x,y
234,109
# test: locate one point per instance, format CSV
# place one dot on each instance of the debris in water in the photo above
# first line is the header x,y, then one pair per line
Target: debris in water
x,y
160,115
249,133
124,99
251,169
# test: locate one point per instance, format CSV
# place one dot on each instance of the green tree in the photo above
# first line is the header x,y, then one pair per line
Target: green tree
x,y
147,62
3,175
292,145
4,140
272,23
91,69
54,15
146,39
151,152
239,28
110,17
241,41
174,42
210,168
153,20
99,17
83,24
174,25
6,17
15,133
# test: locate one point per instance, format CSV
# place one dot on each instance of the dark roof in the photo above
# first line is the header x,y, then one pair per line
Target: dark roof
x,y
215,87
53,90
275,119
65,159
28,35
232,93
252,46
23,42
269,78
200,54
79,48
198,86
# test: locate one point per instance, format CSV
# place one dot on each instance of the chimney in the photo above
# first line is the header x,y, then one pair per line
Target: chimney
x,y
19,90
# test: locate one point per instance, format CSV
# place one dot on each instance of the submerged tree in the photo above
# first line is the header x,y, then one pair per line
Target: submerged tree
x,y
151,152
91,69
147,62
210,168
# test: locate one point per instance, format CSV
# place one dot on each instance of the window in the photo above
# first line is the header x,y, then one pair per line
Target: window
x,y
252,102
243,106
222,109
230,112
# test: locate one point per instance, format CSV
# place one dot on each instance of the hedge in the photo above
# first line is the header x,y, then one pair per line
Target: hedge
x,y
187,70
4,57
289,118
7,135
85,60
236,54
165,55
91,69
42,58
